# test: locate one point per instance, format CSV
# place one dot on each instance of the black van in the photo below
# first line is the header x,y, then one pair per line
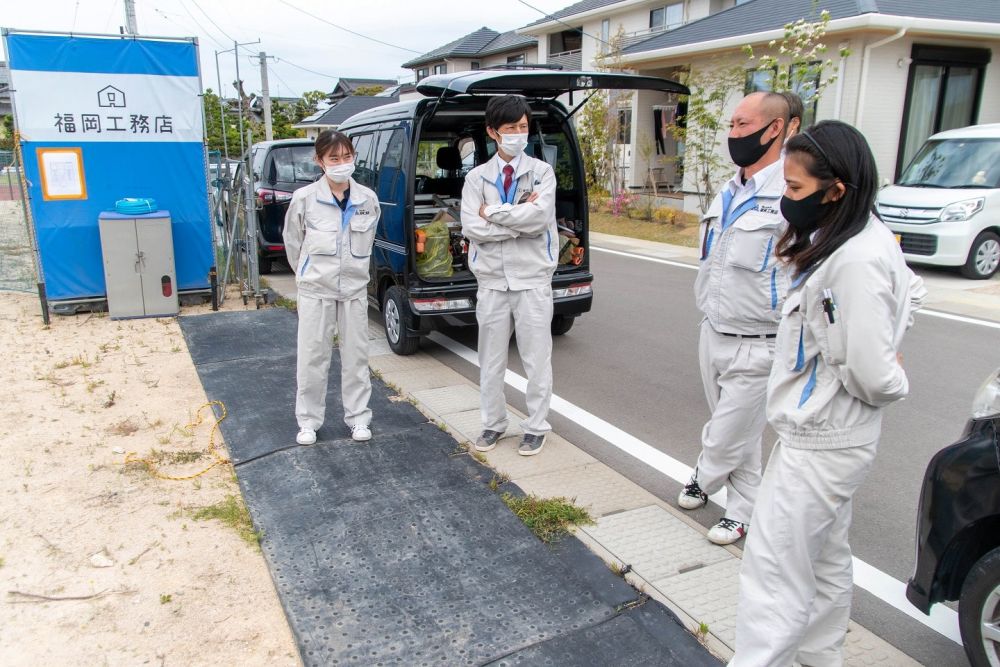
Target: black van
x,y
415,156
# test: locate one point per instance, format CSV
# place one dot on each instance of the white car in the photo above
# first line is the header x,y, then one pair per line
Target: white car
x,y
945,209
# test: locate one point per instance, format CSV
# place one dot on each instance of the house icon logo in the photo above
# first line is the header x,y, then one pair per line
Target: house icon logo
x,y
109,96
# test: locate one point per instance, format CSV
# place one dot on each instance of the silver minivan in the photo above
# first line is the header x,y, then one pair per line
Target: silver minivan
x,y
945,208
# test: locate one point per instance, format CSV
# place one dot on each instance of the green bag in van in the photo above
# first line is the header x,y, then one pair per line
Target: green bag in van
x,y
435,260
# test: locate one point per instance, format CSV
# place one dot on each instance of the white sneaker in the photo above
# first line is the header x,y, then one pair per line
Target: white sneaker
x,y
306,436
691,496
727,531
361,432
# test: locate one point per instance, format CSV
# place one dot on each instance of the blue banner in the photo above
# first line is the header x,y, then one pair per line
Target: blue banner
x,y
102,119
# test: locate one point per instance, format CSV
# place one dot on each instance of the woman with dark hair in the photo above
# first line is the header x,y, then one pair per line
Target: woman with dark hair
x,y
837,365
329,233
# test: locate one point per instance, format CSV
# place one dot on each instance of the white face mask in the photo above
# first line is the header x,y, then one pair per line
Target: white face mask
x,y
340,173
513,144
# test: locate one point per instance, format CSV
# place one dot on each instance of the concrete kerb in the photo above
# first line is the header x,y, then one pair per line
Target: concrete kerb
x,y
421,376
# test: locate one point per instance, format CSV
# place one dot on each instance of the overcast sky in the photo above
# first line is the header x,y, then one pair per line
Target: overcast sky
x,y
297,40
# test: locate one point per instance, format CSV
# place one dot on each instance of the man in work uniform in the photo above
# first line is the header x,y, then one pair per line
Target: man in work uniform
x,y
739,289
508,215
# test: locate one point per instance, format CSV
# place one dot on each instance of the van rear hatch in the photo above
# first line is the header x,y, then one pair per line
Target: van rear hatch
x,y
540,83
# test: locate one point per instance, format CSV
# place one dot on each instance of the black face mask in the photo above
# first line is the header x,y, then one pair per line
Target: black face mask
x,y
745,151
803,214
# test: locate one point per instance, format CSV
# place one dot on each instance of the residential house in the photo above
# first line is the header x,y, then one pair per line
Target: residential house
x,y
347,87
915,67
6,108
477,50
331,118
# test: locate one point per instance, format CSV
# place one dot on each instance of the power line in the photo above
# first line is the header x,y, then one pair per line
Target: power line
x,y
306,69
195,3
201,28
278,77
114,3
75,12
557,20
348,30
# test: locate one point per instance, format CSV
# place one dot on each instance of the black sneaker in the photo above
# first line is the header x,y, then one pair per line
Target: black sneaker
x,y
692,497
531,444
488,440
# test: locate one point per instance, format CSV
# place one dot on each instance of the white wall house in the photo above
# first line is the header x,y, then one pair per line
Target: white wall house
x,y
477,50
915,68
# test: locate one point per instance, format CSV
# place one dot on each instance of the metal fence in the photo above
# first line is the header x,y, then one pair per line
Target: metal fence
x,y
17,256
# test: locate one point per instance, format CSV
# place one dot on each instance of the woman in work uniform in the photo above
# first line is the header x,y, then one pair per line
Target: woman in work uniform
x,y
837,365
329,233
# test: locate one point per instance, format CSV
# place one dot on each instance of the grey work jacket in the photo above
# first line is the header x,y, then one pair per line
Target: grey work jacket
x,y
513,250
740,285
329,249
835,364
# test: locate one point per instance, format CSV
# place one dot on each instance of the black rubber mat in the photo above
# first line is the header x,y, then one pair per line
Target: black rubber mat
x,y
396,551
641,636
264,395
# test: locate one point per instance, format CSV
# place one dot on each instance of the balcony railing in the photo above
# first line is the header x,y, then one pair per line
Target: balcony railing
x,y
569,60
630,38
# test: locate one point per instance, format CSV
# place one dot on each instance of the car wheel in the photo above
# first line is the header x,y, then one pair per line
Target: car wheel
x,y
979,611
984,257
561,324
394,315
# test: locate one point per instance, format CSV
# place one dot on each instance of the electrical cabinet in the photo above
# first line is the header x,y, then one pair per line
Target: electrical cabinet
x,y
139,270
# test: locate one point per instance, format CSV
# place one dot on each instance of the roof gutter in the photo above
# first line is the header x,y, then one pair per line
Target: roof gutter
x,y
859,111
864,22
560,23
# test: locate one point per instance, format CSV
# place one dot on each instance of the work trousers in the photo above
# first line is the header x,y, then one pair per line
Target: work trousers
x,y
734,372
531,312
319,320
796,579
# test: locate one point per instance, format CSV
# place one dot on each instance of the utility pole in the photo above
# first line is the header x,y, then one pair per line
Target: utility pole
x,y
222,111
239,89
130,27
268,129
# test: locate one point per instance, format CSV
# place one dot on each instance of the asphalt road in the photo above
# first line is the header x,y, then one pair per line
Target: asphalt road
x,y
632,362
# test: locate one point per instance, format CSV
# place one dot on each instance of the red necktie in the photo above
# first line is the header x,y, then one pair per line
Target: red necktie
x,y
508,174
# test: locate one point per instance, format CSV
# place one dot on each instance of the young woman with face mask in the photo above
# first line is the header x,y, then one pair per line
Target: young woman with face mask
x,y
329,233
837,365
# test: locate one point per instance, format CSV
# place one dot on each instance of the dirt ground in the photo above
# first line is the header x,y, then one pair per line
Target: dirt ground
x,y
160,585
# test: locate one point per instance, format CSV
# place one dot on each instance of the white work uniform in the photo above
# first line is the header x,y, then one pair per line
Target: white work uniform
x,y
828,386
330,250
739,288
513,256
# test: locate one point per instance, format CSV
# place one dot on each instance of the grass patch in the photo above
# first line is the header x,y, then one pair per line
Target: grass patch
x,y
548,518
233,513
286,303
683,232
498,480
165,598
175,458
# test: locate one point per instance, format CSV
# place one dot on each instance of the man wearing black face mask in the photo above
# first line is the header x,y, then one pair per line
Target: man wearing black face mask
x,y
739,289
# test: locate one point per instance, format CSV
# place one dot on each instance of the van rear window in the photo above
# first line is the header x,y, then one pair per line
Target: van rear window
x,y
293,164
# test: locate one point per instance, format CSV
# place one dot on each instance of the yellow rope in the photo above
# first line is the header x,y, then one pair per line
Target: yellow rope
x,y
132,457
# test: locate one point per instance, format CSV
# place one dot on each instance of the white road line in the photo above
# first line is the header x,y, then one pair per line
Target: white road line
x,y
645,257
929,313
943,620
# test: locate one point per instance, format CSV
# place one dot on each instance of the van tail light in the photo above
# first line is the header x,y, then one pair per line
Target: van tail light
x,y
577,289
268,196
274,248
166,286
